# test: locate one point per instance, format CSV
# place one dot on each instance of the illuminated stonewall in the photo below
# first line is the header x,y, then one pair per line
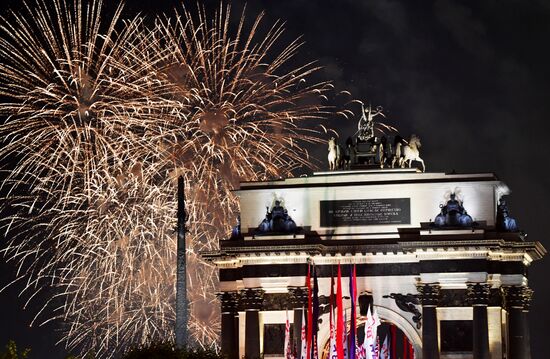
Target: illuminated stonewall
x,y
437,255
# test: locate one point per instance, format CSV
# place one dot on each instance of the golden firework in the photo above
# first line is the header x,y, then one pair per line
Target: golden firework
x,y
101,119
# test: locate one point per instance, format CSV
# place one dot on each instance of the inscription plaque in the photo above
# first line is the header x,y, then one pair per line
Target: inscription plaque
x,y
365,212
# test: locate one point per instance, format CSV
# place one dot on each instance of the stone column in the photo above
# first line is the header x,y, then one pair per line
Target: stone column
x,y
517,300
478,297
527,298
298,301
429,298
252,299
229,333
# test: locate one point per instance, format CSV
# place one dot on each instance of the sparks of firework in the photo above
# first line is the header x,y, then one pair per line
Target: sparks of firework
x,y
74,122
246,110
101,120
245,113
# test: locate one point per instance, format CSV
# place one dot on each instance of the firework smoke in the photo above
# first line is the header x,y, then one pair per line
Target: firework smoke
x,y
101,119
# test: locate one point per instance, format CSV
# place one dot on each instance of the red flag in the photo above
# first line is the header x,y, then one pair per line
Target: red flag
x,y
393,334
340,330
309,311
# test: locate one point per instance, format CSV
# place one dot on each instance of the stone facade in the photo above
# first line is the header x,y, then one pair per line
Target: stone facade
x,y
453,291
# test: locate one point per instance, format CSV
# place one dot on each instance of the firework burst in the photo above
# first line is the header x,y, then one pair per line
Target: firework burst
x,y
101,120
74,122
244,114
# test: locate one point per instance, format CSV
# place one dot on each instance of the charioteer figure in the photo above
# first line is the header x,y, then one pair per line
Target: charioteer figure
x,y
365,130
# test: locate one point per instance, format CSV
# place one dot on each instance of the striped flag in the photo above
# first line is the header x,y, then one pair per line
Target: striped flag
x,y
315,315
288,347
303,352
370,343
332,354
385,351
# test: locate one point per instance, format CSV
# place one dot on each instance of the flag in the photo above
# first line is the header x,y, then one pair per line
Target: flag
x,y
361,353
352,342
309,312
346,354
370,342
315,315
303,352
385,351
377,348
375,322
332,343
340,332
393,331
288,344
357,346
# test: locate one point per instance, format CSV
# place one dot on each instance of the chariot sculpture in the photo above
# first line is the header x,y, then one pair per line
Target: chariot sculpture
x,y
365,148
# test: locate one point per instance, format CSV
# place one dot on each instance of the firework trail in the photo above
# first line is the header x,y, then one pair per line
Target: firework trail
x,y
101,119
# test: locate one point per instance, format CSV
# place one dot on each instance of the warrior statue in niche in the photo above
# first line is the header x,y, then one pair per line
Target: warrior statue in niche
x,y
504,221
453,214
277,220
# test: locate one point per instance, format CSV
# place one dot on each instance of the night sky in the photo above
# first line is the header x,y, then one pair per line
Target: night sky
x,y
472,79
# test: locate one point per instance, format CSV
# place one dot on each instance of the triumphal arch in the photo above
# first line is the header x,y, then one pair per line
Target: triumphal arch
x,y
439,256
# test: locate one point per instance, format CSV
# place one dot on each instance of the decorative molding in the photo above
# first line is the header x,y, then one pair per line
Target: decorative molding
x,y
402,252
407,303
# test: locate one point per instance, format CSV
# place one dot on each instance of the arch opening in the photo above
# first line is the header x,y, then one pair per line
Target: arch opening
x,y
399,344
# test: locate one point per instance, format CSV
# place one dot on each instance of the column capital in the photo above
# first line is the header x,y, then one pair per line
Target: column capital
x,y
518,297
430,293
478,293
297,297
229,301
252,298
